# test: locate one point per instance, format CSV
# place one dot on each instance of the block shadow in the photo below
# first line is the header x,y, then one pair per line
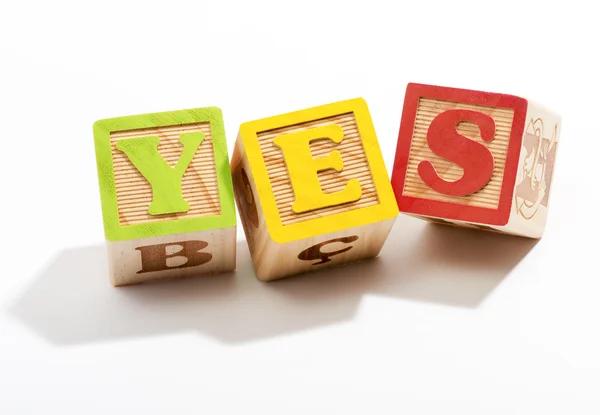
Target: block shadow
x,y
446,265
72,302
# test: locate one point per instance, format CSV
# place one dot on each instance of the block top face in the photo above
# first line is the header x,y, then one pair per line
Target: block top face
x,y
164,173
458,153
318,170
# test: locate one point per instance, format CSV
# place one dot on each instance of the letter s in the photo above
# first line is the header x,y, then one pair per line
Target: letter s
x,y
475,158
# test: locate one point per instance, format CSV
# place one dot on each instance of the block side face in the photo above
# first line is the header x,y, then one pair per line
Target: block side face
x,y
323,251
248,203
128,193
536,165
421,144
172,256
284,181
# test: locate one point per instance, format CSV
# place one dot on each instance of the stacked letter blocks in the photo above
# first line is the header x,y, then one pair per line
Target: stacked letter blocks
x,y
311,186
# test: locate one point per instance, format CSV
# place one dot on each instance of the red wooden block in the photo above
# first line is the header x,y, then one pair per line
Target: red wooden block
x,y
475,159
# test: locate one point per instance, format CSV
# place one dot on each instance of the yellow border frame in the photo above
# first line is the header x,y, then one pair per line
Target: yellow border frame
x,y
387,207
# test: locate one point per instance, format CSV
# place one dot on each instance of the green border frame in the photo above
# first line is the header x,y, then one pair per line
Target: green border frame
x,y
113,230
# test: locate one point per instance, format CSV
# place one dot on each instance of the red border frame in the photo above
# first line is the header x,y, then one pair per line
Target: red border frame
x,y
448,210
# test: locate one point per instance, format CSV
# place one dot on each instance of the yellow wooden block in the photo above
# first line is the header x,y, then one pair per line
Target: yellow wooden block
x,y
312,189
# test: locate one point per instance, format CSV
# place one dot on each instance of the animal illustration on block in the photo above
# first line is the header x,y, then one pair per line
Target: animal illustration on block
x,y
476,159
312,189
167,195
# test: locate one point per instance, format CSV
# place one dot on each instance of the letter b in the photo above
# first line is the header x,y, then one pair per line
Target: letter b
x,y
154,257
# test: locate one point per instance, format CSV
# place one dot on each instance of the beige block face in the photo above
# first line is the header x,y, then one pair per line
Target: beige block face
x,y
273,260
199,183
427,110
172,256
534,177
355,167
283,260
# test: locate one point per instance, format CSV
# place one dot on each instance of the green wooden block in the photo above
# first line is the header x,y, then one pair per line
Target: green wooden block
x,y
165,179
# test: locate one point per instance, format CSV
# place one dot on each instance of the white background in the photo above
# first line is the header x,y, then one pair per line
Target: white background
x,y
445,321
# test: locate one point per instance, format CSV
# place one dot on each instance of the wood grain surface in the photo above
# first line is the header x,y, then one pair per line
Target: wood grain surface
x,y
199,183
488,196
353,157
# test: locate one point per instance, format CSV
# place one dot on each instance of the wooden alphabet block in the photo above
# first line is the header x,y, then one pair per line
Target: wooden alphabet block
x,y
167,195
312,189
475,159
